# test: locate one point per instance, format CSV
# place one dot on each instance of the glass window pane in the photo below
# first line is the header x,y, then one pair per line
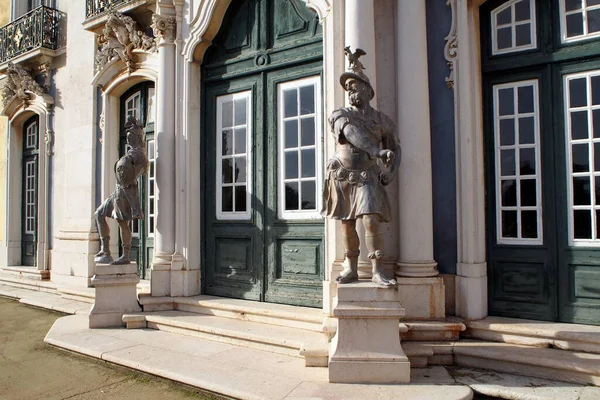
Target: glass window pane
x,y
574,25
227,170
592,2
595,83
290,101
240,112
596,123
581,191
227,199
240,140
577,92
240,198
528,193
507,132
227,114
596,156
579,125
504,16
309,194
509,193
509,224
581,157
504,38
291,165
308,163
240,169
582,224
307,100
522,9
506,101
523,35
525,99
507,162
226,142
593,21
526,130
307,126
529,224
571,5
291,196
527,161
291,134
597,187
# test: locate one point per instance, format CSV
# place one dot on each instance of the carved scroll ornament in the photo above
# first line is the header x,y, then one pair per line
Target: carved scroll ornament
x,y
20,83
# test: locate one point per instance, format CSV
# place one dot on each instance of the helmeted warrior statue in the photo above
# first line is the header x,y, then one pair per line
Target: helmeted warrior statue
x,y
366,159
124,203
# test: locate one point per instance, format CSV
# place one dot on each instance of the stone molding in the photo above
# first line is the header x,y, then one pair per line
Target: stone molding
x,y
21,83
120,37
164,28
451,47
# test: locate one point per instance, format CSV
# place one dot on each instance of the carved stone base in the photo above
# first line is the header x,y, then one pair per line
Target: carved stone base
x,y
422,298
366,347
115,294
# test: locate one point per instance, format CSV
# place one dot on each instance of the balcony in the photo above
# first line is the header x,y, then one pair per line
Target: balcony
x,y
96,11
97,7
35,33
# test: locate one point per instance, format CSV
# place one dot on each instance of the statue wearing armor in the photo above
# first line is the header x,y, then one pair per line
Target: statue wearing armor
x,y
124,203
366,159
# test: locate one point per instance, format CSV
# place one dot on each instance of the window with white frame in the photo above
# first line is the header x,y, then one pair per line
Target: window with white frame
x,y
579,19
514,27
31,134
234,172
582,128
151,181
517,158
30,178
133,106
299,148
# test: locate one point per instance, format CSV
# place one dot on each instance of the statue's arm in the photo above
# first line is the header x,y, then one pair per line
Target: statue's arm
x,y
353,134
390,141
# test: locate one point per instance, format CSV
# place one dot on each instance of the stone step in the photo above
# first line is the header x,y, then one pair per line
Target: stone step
x,y
274,314
561,365
574,337
310,345
88,294
424,354
448,330
26,273
20,282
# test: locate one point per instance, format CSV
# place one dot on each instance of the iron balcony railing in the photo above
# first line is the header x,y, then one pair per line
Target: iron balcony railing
x,y
36,29
97,7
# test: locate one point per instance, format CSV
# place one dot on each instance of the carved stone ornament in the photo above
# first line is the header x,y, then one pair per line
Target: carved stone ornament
x,y
451,47
164,28
20,83
120,37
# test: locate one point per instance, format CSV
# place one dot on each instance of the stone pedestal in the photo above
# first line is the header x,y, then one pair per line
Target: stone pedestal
x,y
422,298
115,294
366,347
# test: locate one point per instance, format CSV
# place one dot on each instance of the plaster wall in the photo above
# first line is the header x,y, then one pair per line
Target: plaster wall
x,y
73,174
4,19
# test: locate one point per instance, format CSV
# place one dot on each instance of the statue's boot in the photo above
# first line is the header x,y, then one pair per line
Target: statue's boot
x,y
124,259
104,256
350,272
379,277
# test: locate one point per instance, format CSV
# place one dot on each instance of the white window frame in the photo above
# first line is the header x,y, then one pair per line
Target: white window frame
x,y
513,24
318,179
594,205
151,183
31,135
517,177
30,178
563,23
138,109
234,215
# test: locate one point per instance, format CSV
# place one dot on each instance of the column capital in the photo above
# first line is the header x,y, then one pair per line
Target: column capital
x,y
164,28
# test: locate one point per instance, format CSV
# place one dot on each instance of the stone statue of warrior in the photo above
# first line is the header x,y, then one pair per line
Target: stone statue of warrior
x,y
366,159
124,203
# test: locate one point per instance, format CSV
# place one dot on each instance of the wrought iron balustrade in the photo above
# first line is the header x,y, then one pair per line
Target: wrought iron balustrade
x,y
97,7
38,28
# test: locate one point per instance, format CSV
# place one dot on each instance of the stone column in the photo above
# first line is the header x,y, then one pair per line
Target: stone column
x,y
415,185
164,26
360,33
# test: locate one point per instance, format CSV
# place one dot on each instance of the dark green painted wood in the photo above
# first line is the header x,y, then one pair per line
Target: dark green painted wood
x,y
553,281
264,258
142,246
29,240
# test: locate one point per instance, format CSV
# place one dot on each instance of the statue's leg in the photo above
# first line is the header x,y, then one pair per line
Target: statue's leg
x,y
103,256
374,243
125,243
351,243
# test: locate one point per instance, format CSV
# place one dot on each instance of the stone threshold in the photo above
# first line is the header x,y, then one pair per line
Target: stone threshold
x,y
26,272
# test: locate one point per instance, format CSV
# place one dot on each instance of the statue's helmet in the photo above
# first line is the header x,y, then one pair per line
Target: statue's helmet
x,y
356,71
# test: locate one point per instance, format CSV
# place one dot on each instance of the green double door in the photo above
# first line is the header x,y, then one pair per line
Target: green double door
x,y
262,155
541,68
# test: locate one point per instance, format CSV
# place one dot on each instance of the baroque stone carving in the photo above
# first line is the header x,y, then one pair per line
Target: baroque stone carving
x,y
20,83
164,28
366,159
124,203
451,47
120,38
